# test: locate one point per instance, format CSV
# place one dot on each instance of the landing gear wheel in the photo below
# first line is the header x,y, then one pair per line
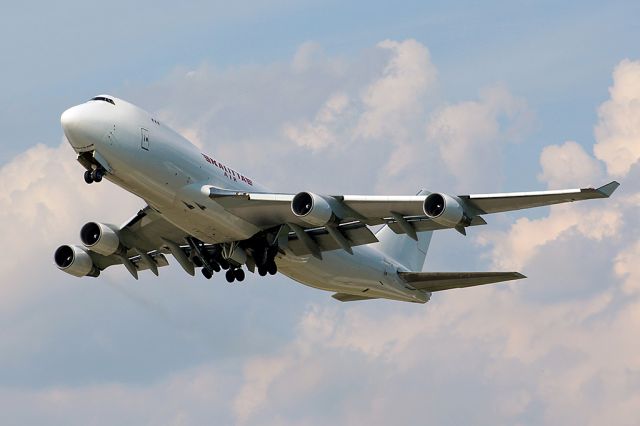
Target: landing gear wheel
x,y
230,276
87,177
197,261
224,264
272,268
214,265
262,270
239,274
96,175
207,273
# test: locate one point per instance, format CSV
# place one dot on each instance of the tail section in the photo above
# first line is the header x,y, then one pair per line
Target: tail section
x,y
404,249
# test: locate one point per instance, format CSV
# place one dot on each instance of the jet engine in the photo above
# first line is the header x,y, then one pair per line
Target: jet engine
x,y
75,260
443,209
312,208
100,238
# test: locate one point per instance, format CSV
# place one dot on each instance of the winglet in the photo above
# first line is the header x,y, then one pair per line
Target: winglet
x,y
608,189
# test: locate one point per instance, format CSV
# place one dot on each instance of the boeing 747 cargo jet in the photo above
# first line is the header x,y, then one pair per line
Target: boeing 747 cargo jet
x,y
212,217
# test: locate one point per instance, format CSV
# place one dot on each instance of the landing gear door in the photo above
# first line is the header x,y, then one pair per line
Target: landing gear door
x,y
144,138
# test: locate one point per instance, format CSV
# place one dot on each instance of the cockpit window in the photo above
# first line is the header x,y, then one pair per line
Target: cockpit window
x,y
102,98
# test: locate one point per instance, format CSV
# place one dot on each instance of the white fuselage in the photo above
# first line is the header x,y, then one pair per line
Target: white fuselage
x,y
150,160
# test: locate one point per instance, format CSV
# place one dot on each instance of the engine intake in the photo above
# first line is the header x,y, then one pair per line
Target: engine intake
x,y
443,209
75,260
100,238
312,208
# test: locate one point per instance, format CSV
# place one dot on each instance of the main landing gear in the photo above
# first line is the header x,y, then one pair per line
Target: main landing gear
x,y
94,175
232,274
214,258
265,261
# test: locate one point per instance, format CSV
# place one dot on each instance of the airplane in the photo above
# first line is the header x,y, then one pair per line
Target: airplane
x,y
210,216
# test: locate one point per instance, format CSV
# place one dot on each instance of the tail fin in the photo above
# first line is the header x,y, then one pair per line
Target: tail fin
x,y
404,249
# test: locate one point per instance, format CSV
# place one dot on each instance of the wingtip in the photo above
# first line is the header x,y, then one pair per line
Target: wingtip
x,y
609,188
517,276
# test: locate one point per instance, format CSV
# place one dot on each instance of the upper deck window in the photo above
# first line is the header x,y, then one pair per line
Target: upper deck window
x,y
102,98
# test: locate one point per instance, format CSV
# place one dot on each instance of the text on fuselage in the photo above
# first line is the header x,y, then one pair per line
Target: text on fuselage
x,y
228,172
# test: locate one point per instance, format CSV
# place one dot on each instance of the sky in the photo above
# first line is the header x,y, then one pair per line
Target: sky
x,y
360,98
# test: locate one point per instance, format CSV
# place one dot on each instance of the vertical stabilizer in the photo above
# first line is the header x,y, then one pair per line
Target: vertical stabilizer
x,y
404,249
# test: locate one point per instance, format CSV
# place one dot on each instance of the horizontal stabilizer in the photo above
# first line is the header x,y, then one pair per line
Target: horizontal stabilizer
x,y
344,297
437,281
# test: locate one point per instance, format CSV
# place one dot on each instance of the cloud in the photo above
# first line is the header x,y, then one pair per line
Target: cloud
x,y
618,131
568,165
396,95
470,135
320,134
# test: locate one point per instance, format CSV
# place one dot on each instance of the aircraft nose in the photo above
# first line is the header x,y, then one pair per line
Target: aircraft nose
x,y
79,127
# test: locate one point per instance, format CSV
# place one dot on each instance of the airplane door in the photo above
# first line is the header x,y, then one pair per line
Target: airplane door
x,y
144,138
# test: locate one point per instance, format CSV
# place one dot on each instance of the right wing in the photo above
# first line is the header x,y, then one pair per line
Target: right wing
x,y
438,281
403,214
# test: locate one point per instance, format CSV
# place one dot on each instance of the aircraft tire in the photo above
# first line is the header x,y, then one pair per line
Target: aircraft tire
x,y
207,273
87,177
97,175
239,274
272,268
262,270
230,276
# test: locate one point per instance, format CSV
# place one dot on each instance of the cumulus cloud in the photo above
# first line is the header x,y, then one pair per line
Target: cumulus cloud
x,y
320,133
618,131
396,95
470,135
568,165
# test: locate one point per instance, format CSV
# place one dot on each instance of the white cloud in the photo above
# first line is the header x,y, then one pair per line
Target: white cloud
x,y
627,267
470,135
526,237
618,131
568,165
396,95
320,134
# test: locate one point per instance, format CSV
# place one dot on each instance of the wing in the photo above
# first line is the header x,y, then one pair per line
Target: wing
x,y
494,203
147,237
403,214
438,281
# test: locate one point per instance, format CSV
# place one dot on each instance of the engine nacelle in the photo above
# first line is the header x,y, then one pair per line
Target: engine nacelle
x,y
100,238
75,260
443,209
312,208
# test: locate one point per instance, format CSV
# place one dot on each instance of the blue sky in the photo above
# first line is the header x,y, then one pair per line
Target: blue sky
x,y
476,96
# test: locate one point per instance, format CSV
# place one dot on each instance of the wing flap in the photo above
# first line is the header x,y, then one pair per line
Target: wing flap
x,y
438,281
356,234
421,224
146,231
